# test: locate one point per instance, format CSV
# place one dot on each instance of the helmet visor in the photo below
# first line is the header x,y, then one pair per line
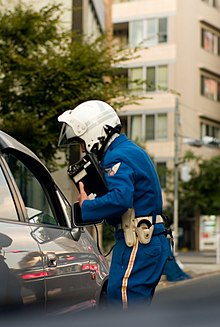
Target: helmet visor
x,y
66,136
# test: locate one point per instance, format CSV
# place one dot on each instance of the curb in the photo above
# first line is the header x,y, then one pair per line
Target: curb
x,y
163,284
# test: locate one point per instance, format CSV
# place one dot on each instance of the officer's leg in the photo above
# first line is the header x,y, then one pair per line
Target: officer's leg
x,y
117,271
147,269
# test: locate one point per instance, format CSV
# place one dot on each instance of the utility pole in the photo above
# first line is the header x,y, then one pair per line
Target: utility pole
x,y
176,177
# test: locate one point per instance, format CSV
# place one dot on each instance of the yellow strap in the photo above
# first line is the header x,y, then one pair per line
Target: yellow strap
x,y
127,275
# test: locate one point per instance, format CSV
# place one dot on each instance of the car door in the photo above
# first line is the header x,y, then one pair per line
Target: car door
x,y
20,255
69,283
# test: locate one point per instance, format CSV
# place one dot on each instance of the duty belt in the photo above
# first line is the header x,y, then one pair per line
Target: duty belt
x,y
159,220
140,228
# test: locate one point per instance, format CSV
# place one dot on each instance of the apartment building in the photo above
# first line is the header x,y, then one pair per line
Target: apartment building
x,y
86,17
178,52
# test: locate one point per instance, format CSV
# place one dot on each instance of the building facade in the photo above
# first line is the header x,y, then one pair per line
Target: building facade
x,y
178,46
178,56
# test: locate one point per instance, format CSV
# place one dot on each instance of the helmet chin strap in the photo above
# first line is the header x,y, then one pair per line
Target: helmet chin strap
x,y
110,131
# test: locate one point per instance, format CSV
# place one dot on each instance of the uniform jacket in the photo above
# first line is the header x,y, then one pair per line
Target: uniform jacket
x,y
132,183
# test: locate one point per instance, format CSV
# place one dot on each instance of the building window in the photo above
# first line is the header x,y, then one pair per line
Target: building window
x,y
148,32
208,129
136,127
124,124
162,33
145,127
121,34
209,2
150,127
156,79
156,127
151,79
212,3
136,79
210,87
162,77
210,40
162,173
161,126
136,33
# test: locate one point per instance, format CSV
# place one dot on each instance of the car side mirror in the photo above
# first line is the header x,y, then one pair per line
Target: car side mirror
x,y
77,217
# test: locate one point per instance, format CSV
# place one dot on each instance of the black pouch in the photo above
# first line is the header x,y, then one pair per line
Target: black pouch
x,y
89,171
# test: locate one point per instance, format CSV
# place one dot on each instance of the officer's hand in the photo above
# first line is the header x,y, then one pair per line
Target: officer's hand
x,y
82,194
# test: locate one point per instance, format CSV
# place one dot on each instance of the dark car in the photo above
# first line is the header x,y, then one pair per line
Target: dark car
x,y
46,262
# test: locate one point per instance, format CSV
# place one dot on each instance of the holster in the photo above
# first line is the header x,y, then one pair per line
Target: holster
x,y
144,230
128,226
134,228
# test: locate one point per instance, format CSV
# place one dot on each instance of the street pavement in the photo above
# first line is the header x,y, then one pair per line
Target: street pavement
x,y
196,264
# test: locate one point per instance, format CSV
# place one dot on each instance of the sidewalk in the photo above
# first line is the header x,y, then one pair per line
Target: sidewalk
x,y
196,264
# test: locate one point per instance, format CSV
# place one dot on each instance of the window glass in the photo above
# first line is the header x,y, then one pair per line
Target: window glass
x,y
218,91
210,2
162,77
161,171
147,32
120,33
136,127
7,206
33,194
161,126
136,79
209,87
162,35
136,33
150,127
151,79
219,45
124,123
216,133
210,41
151,32
209,130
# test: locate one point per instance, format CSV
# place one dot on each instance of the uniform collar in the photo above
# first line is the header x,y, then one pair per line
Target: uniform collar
x,y
118,140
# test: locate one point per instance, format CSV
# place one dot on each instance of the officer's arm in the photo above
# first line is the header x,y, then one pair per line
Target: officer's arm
x,y
116,201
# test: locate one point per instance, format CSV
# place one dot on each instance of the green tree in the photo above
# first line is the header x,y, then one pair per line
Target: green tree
x,y
45,70
201,194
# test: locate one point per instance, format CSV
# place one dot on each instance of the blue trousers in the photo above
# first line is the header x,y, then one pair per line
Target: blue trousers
x,y
135,271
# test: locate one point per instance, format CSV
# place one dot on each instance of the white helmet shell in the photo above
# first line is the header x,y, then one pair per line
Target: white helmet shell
x,y
87,122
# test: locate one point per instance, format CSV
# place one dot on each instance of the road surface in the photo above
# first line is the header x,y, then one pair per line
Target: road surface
x,y
194,302
191,303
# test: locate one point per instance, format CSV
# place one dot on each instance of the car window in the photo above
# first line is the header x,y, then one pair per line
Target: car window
x,y
7,207
34,197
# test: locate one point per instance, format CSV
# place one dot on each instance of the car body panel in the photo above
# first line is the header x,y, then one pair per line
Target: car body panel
x,y
56,267
14,264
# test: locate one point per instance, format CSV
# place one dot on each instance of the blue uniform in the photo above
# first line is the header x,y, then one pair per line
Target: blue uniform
x,y
132,183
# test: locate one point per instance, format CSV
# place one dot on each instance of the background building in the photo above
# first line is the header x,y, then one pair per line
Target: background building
x,y
179,57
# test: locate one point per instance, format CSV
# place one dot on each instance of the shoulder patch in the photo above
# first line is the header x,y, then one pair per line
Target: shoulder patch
x,y
112,171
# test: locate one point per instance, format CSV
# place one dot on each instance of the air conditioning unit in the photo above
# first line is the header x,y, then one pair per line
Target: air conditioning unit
x,y
210,141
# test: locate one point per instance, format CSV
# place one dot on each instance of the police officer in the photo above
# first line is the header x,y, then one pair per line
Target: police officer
x,y
133,197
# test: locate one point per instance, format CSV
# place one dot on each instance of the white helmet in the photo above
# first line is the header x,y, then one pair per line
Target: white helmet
x,y
92,122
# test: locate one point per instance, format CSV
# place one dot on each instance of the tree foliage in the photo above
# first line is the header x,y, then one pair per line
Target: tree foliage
x,y
44,71
201,194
